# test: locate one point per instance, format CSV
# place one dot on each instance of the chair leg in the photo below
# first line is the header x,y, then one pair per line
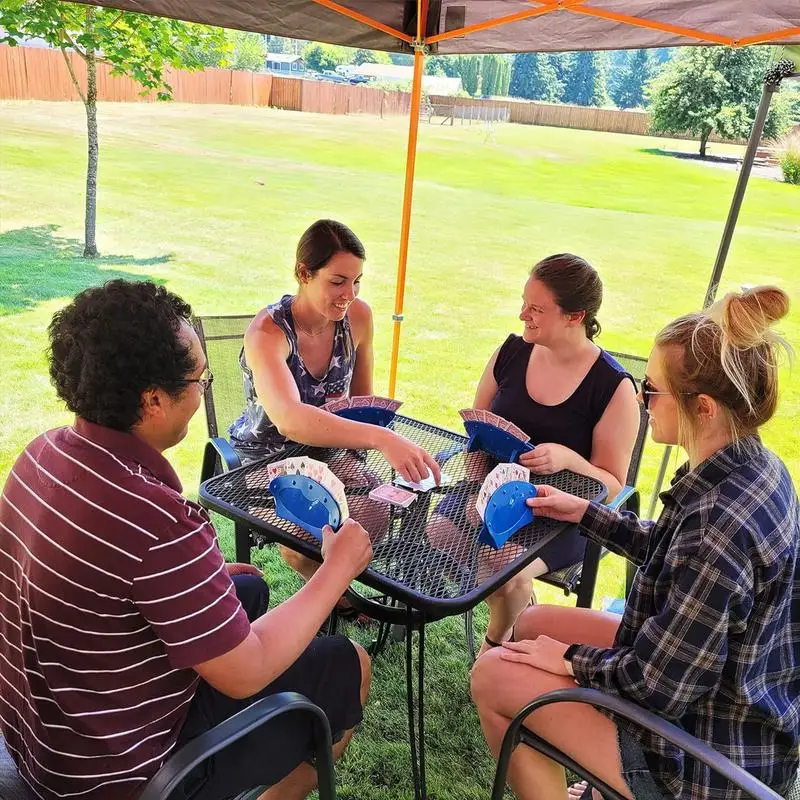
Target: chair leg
x,y
470,635
591,563
243,543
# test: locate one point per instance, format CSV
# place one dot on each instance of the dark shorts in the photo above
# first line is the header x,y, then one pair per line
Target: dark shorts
x,y
563,551
328,673
635,770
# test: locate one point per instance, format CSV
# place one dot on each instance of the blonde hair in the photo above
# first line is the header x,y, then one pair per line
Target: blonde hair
x,y
729,352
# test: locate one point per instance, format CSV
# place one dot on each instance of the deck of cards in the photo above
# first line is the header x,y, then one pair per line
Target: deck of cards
x,y
488,418
393,495
316,470
502,473
361,401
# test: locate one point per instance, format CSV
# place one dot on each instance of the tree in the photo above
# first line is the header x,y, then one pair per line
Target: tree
x,y
628,90
490,71
320,57
504,77
586,81
709,89
363,56
135,45
248,50
470,71
534,77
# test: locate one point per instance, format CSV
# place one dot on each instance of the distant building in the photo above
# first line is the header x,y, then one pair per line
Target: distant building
x,y
284,63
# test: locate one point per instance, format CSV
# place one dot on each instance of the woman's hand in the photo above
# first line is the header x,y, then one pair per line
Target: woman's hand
x,y
411,461
554,503
542,653
545,459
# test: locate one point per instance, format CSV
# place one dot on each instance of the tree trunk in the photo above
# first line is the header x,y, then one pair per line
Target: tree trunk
x,y
703,142
90,245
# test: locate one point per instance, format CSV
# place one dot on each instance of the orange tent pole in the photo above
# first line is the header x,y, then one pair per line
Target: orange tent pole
x,y
363,18
405,228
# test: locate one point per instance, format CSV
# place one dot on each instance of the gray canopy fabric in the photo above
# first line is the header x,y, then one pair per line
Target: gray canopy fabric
x,y
534,25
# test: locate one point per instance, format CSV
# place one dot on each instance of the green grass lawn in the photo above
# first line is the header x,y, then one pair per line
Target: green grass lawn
x,y
211,201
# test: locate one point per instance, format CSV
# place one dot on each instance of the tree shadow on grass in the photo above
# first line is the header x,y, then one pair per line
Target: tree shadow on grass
x,y
38,265
691,156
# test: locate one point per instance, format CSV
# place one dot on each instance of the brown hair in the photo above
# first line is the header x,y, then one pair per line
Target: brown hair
x,y
729,352
321,242
576,286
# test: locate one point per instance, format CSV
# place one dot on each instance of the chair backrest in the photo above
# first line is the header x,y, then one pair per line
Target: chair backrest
x,y
221,338
635,365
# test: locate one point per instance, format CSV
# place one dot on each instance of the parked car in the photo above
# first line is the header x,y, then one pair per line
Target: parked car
x,y
334,77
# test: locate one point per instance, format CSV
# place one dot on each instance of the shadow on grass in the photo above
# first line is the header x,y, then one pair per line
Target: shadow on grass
x,y
38,265
689,156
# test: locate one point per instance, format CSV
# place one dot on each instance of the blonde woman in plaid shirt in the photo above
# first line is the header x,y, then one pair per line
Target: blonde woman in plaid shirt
x,y
710,636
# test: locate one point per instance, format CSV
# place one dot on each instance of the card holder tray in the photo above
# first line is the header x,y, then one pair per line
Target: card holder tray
x,y
305,502
506,512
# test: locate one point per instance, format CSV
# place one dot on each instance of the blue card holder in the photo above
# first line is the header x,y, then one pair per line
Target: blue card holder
x,y
369,414
305,502
495,441
506,512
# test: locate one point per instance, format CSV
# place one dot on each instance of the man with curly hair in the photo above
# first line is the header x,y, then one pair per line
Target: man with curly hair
x,y
122,633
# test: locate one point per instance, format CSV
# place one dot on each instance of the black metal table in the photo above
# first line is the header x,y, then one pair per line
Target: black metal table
x,y
421,583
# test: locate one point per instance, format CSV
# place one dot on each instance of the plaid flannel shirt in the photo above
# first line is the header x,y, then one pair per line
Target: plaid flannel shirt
x,y
710,636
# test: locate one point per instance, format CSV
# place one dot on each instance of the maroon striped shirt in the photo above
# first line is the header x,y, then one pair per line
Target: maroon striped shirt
x,y
111,587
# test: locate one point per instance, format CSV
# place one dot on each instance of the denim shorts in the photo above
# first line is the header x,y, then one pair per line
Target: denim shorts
x,y
635,770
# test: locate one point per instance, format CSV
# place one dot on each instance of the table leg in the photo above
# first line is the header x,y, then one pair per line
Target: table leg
x,y
416,732
412,733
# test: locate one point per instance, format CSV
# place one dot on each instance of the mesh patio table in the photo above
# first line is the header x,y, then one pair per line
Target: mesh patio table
x,y
409,581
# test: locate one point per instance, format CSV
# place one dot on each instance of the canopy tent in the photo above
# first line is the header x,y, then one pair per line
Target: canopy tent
x,y
506,26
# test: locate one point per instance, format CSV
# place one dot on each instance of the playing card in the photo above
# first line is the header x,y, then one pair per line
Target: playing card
x,y
337,490
275,469
386,402
333,406
361,401
467,414
394,495
518,433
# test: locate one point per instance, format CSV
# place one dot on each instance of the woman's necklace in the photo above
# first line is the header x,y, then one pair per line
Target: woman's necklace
x,y
303,329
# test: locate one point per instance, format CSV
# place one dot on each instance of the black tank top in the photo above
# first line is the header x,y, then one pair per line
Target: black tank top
x,y
570,423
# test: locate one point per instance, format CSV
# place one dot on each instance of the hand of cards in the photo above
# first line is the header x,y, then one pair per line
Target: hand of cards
x,y
502,473
479,415
316,470
361,401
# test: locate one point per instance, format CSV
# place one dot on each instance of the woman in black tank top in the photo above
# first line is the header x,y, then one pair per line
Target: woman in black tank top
x,y
576,403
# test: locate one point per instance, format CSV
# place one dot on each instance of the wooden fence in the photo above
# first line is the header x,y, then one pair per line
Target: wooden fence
x,y
28,73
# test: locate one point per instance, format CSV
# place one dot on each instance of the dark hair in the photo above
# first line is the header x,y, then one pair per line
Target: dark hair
x,y
322,241
729,352
113,342
575,284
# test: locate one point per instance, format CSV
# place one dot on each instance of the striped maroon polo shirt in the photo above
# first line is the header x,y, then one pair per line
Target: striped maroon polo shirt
x,y
111,587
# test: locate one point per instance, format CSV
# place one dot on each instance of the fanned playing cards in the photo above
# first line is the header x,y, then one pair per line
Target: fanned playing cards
x,y
502,473
488,418
361,401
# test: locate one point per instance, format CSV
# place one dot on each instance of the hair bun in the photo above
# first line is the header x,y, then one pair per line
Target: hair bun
x,y
746,317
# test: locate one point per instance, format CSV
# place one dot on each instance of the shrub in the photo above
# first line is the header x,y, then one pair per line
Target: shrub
x,y
790,157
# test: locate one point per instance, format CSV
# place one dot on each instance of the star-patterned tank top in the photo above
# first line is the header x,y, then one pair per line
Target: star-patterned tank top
x,y
254,435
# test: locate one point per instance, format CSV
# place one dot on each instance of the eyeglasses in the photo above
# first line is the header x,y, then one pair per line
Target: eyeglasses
x,y
204,382
648,391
